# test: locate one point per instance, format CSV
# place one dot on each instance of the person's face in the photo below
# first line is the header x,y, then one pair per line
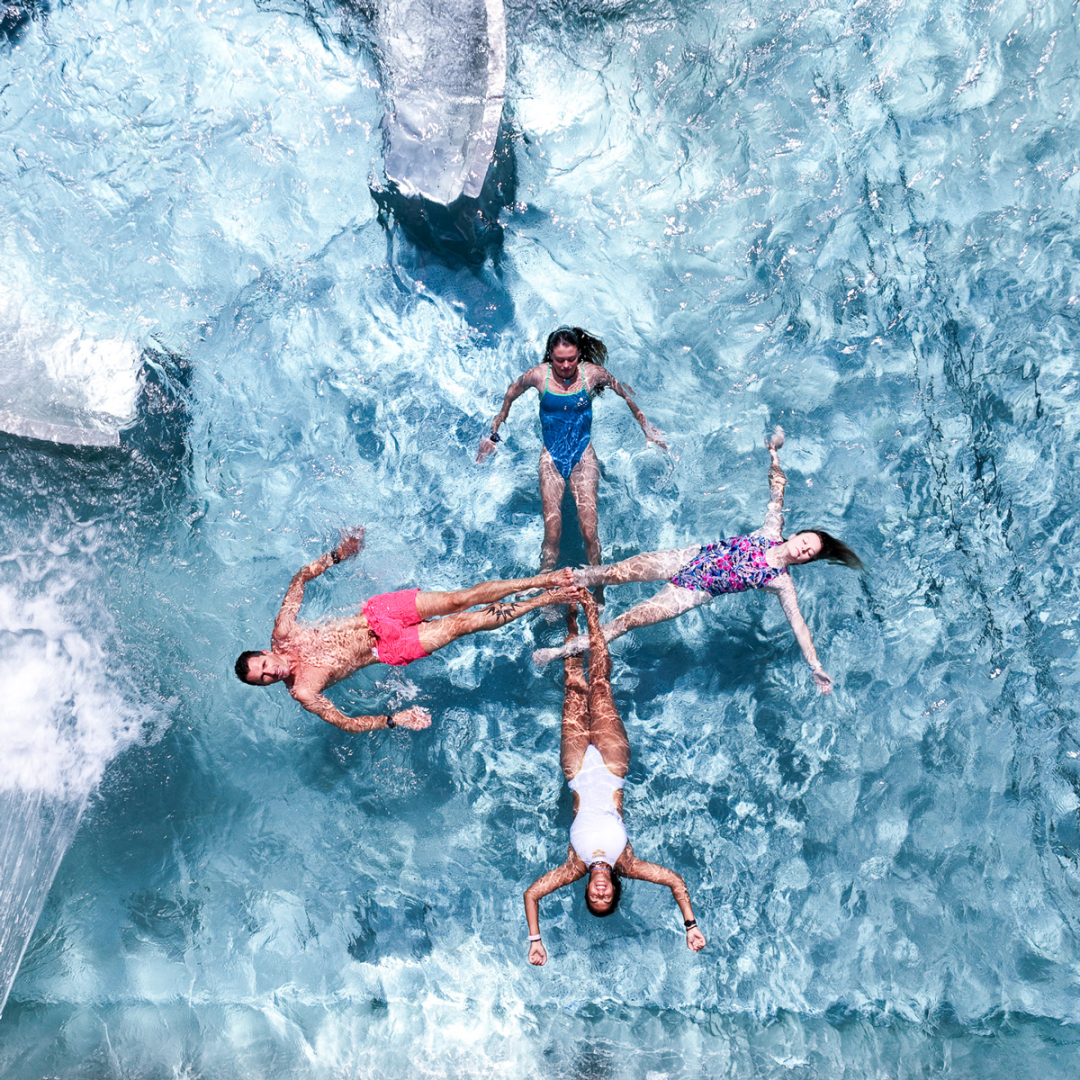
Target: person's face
x,y
564,361
266,668
802,547
600,892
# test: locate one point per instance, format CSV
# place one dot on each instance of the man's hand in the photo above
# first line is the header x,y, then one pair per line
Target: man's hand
x,y
415,719
823,680
538,954
486,447
352,543
695,939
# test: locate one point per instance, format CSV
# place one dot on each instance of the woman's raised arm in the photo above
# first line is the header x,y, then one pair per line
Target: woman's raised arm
x,y
570,871
784,588
513,392
651,432
633,867
773,526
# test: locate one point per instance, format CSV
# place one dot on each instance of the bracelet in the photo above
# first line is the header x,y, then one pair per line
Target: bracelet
x,y
815,667
389,720
689,924
495,437
335,556
534,937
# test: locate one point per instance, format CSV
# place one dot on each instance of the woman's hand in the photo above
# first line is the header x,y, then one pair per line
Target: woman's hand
x,y
486,447
695,939
415,718
654,434
822,680
538,954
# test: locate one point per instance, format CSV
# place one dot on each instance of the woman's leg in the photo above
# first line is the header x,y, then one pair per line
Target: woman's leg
x,y
650,566
575,714
670,602
584,485
552,486
606,730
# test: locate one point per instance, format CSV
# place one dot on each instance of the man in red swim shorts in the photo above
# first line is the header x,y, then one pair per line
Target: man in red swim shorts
x,y
393,628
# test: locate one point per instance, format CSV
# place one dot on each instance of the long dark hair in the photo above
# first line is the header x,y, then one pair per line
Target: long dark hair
x,y
835,551
616,895
590,349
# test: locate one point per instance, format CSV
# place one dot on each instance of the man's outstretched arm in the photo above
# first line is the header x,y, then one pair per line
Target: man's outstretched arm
x,y
415,718
351,544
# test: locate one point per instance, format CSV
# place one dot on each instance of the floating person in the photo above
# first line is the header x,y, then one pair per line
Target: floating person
x,y
393,628
696,574
595,758
569,377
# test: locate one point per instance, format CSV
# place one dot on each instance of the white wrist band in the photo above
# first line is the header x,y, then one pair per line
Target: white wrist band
x,y
534,937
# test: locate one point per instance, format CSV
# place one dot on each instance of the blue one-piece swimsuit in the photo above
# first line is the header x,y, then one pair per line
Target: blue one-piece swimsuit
x,y
566,423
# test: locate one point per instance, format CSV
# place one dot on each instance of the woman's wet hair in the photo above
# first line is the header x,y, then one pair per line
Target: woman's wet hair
x,y
241,666
590,349
835,551
616,894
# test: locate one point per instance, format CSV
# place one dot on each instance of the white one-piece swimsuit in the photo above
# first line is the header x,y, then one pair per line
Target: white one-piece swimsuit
x,y
598,833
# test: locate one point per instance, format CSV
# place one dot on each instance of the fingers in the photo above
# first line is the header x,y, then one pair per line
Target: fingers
x,y
776,439
415,718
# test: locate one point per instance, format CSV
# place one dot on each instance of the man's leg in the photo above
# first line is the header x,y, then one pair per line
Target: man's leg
x,y
431,604
439,632
651,566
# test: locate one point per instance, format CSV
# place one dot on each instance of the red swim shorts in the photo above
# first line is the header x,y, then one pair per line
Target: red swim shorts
x,y
393,619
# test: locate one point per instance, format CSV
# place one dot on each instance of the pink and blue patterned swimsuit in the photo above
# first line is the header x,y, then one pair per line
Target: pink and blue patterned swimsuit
x,y
732,565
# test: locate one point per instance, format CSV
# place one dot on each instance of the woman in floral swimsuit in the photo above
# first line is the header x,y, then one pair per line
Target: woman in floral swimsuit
x,y
696,574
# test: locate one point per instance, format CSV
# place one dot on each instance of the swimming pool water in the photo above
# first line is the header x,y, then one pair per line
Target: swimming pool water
x,y
857,221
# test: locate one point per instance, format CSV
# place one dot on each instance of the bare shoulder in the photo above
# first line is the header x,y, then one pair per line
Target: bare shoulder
x,y
595,375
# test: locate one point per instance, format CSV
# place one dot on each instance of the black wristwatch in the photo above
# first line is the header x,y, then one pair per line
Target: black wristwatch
x,y
495,437
390,721
335,556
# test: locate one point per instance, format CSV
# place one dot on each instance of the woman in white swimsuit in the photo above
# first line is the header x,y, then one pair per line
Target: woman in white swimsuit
x,y
595,759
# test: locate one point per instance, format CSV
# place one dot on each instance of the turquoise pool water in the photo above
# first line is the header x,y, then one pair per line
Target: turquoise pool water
x,y
856,220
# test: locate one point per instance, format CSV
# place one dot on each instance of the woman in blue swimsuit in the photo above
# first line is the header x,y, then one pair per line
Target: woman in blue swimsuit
x,y
569,377
595,759
696,574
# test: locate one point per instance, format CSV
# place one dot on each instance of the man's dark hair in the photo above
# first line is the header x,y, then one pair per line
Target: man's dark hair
x,y
616,895
835,551
241,667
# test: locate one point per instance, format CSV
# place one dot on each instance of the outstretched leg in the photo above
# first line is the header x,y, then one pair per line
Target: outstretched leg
x,y
431,604
650,566
606,730
584,485
670,602
575,714
552,486
439,632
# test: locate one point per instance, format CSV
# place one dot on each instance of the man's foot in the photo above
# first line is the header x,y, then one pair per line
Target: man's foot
x,y
555,579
